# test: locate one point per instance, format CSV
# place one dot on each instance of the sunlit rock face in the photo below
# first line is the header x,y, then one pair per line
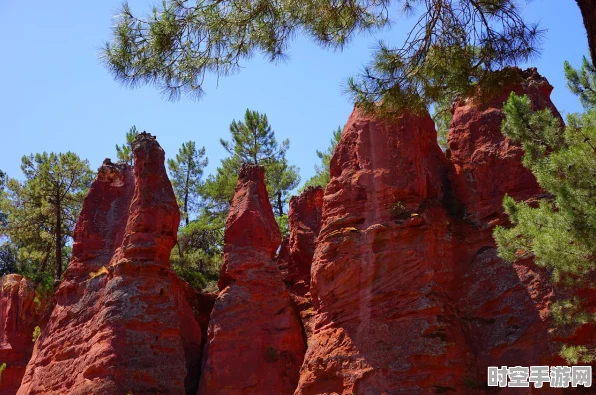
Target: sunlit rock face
x,y
409,293
255,343
19,315
121,322
383,266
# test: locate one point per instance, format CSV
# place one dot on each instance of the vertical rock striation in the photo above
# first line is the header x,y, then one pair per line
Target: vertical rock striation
x,y
297,251
255,343
121,323
18,317
383,266
410,295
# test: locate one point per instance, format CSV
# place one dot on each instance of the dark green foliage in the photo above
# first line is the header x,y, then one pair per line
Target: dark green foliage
x,y
8,259
218,190
560,232
453,45
281,179
3,217
197,257
284,227
186,172
42,210
253,141
582,82
442,117
271,354
322,176
124,152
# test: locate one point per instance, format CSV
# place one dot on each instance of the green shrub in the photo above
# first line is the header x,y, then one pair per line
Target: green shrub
x,y
2,368
36,333
271,354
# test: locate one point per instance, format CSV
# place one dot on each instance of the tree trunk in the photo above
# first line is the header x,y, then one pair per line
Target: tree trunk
x,y
280,205
588,10
186,191
179,249
42,267
58,240
255,148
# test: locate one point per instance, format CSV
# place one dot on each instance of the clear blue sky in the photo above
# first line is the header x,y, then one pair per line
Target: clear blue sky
x,y
56,96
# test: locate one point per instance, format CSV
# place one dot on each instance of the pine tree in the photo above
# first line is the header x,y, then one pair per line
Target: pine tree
x,y
253,141
8,259
322,176
218,190
125,152
42,210
280,179
186,172
2,184
560,232
198,256
453,45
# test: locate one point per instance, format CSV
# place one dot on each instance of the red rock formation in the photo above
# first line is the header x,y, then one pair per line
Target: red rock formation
x,y
18,317
202,304
121,323
255,342
382,270
506,308
409,292
487,165
297,251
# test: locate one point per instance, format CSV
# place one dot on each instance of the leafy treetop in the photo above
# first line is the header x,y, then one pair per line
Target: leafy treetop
x,y
452,45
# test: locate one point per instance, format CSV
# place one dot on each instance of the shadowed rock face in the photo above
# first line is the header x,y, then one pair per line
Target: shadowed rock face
x,y
121,323
505,308
410,295
18,318
255,343
297,251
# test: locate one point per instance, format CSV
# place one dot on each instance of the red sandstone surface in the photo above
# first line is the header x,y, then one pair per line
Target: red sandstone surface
x,y
409,292
19,314
505,308
390,275
297,251
255,343
121,323
383,263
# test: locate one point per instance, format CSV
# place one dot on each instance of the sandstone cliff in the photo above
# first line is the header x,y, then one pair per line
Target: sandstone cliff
x,y
19,315
255,343
297,251
409,292
505,308
390,275
383,265
121,323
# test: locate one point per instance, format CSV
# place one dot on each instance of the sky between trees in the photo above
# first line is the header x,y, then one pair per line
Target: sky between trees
x,y
58,97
